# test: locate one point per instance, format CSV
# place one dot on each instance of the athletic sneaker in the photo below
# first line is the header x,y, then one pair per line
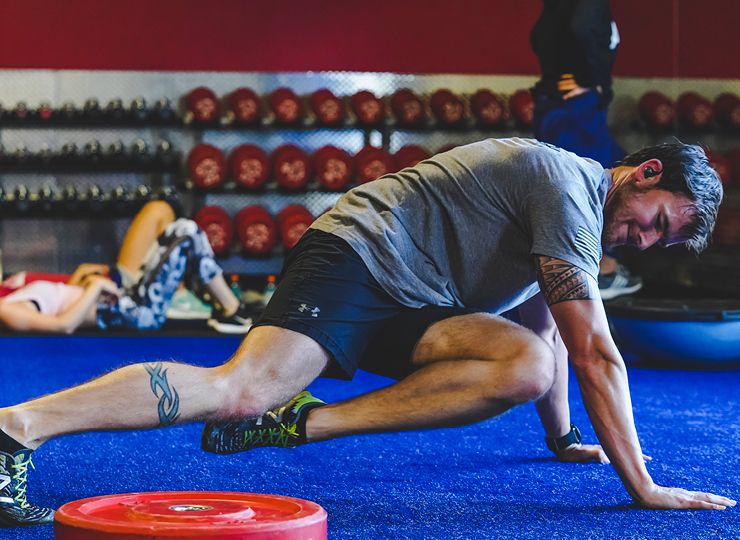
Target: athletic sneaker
x,y
618,283
186,306
15,510
238,323
278,427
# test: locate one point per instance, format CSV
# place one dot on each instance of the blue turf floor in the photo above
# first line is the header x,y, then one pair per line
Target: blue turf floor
x,y
492,480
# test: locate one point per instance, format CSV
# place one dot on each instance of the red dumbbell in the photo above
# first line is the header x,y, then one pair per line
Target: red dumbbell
x,y
727,110
695,110
489,108
409,156
256,229
203,105
334,167
249,166
293,221
657,110
720,164
372,163
369,109
291,166
329,109
733,157
522,107
287,106
408,107
207,166
217,225
447,107
245,107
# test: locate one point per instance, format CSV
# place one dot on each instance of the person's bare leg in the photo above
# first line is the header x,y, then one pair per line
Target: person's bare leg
x,y
271,366
222,296
144,230
471,367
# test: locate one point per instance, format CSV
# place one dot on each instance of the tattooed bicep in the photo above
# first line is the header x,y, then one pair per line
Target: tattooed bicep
x,y
561,281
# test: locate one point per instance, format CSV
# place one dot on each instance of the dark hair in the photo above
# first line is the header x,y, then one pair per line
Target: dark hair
x,y
686,171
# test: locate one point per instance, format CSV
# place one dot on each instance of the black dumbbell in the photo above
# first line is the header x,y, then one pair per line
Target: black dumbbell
x,y
68,112
116,153
70,202
140,153
91,154
168,194
96,200
21,199
165,154
121,200
115,111
138,110
141,196
46,202
91,112
21,155
69,155
44,156
163,111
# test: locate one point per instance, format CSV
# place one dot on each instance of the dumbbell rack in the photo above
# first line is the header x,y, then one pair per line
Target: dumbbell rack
x,y
62,242
349,136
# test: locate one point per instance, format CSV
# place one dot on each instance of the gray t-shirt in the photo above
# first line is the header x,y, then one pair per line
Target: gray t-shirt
x,y
462,228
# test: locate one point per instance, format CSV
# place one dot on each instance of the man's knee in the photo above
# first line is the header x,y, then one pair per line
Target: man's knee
x,y
271,366
533,369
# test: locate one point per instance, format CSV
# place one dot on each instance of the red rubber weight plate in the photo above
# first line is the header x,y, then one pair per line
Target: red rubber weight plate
x,y
206,515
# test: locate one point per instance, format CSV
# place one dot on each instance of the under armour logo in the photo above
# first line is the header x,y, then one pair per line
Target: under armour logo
x,y
314,311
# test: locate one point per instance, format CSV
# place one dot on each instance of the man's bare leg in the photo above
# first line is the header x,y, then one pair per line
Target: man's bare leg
x,y
470,368
271,366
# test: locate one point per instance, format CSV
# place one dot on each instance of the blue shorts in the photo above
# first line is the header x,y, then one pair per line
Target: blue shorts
x,y
326,292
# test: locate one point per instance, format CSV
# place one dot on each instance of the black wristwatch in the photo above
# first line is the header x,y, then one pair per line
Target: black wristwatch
x,y
561,443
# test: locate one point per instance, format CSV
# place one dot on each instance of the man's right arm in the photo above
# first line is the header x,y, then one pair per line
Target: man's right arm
x,y
575,303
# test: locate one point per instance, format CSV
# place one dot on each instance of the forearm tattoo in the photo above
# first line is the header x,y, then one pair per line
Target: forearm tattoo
x,y
169,401
561,281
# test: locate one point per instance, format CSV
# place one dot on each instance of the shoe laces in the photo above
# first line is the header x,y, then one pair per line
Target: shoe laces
x,y
21,468
281,435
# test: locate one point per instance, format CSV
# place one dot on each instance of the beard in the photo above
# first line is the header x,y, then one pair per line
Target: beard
x,y
610,235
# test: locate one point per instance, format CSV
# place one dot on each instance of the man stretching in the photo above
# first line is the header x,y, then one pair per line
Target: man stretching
x,y
407,277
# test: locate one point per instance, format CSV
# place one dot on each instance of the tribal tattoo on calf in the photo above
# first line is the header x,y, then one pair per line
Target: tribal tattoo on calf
x,y
561,281
169,401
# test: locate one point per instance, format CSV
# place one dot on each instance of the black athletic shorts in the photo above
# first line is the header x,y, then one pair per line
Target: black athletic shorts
x,y
326,292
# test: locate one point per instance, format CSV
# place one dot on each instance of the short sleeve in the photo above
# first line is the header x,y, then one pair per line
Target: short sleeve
x,y
564,224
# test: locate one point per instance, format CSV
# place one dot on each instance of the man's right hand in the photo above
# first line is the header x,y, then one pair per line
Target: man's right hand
x,y
665,498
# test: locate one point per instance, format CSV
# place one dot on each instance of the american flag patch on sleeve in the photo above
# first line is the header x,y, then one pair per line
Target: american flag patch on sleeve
x,y
588,243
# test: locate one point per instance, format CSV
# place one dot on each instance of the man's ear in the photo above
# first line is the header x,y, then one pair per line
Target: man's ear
x,y
648,173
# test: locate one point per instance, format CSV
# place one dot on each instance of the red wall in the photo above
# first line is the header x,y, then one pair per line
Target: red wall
x,y
660,38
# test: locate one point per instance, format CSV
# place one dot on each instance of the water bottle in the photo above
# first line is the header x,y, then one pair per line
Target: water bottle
x,y
234,286
269,289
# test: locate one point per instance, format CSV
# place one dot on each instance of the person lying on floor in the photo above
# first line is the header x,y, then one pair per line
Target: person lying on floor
x,y
157,253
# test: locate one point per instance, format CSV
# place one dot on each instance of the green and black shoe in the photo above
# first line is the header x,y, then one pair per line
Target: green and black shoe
x,y
278,427
15,510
